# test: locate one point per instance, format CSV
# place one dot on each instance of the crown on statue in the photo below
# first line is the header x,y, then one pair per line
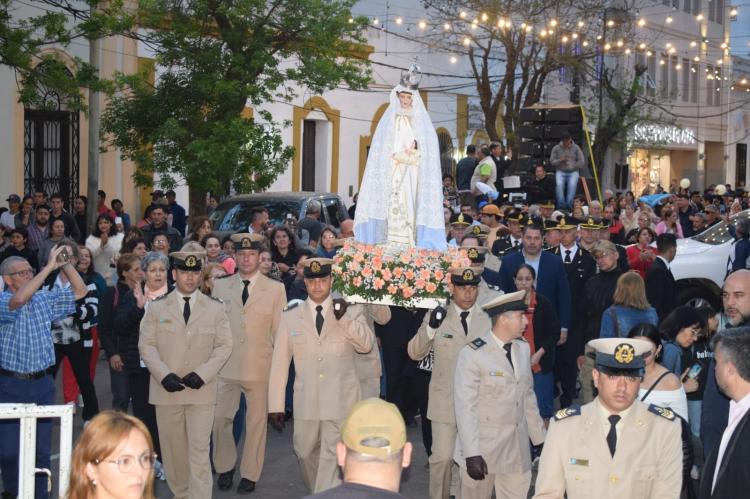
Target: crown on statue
x,y
412,77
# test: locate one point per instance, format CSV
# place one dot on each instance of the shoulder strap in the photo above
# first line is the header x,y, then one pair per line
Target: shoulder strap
x,y
645,395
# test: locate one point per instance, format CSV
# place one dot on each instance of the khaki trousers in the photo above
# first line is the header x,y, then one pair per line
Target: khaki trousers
x,y
370,387
184,434
441,459
256,427
315,446
506,485
586,378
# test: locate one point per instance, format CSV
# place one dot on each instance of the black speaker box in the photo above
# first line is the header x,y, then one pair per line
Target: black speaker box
x,y
532,115
531,131
564,115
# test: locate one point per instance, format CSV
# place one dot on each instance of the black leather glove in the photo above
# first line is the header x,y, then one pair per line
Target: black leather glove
x,y
339,307
192,380
276,419
476,468
172,383
437,316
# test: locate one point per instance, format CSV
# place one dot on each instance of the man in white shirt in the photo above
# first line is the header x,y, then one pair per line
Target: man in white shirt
x,y
725,474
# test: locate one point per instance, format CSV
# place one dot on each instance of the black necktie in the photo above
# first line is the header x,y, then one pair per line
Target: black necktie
x,y
612,435
567,256
464,315
319,319
506,347
186,309
245,292
516,243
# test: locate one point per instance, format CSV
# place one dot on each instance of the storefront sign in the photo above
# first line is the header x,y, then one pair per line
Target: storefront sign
x,y
645,133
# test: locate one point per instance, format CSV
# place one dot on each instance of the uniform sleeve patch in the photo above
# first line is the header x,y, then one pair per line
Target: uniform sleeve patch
x,y
478,343
567,412
662,411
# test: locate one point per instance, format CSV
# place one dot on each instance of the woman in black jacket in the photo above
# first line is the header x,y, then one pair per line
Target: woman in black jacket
x,y
542,333
128,314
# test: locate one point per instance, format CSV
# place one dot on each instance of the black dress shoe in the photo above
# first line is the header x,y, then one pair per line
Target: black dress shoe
x,y
246,486
225,480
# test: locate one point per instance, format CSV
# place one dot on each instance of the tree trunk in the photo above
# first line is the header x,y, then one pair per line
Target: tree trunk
x,y
197,204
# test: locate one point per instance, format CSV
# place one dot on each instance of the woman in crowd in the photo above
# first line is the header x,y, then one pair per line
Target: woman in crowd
x,y
128,314
670,223
90,276
630,308
267,266
56,234
641,255
644,218
283,250
104,243
210,273
199,228
129,275
542,333
326,248
663,388
26,215
136,246
214,253
79,215
114,458
71,336
628,217
19,237
680,330
578,215
228,245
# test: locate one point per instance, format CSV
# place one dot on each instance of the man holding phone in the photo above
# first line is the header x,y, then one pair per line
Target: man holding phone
x,y
28,353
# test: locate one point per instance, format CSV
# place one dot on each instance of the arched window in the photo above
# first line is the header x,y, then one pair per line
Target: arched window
x,y
51,138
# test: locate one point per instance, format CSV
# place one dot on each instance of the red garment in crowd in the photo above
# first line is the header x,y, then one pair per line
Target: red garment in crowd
x,y
635,262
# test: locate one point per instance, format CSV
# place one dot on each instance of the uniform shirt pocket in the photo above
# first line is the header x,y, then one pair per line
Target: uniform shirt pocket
x,y
578,479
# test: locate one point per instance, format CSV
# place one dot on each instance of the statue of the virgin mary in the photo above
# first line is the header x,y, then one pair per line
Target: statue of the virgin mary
x,y
401,197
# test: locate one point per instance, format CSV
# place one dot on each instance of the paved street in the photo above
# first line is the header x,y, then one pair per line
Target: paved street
x,y
281,477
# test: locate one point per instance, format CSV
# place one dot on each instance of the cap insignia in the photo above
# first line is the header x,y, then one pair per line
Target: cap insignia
x,y
191,261
468,275
246,242
624,353
476,230
315,267
473,253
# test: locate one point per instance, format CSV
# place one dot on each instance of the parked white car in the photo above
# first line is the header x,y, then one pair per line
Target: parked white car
x,y
703,262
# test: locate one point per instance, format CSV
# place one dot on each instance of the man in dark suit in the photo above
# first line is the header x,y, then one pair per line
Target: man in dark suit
x,y
513,241
579,267
551,280
660,286
725,474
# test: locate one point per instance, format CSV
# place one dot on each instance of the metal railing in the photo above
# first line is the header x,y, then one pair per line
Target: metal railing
x,y
27,470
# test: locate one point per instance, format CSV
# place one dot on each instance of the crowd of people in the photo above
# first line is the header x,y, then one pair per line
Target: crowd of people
x,y
566,318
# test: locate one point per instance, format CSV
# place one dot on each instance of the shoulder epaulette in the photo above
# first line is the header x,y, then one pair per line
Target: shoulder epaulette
x,y
567,412
477,344
161,297
493,287
662,411
224,276
290,306
215,299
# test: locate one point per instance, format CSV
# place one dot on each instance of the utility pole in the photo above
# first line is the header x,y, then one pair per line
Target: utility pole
x,y
93,152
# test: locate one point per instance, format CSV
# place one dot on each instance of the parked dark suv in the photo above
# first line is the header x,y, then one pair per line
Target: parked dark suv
x,y
233,214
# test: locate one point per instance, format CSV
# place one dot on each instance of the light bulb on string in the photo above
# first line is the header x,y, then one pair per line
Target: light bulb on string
x,y
422,25
669,19
574,36
564,39
627,51
661,62
641,22
678,67
446,27
607,46
610,23
467,41
484,17
553,23
399,20
543,33
585,43
620,43
697,59
693,43
699,17
733,12
453,59
642,46
375,21
581,24
462,15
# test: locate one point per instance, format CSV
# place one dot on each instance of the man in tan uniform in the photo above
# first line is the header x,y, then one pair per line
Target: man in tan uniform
x,y
185,339
496,408
254,305
477,255
322,337
616,446
446,332
368,365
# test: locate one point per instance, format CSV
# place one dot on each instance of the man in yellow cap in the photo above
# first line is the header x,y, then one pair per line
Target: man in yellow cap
x,y
496,409
371,453
616,446
322,337
492,217
185,339
254,304
444,332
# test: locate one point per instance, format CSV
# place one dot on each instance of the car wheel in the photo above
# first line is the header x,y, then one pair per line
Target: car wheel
x,y
693,292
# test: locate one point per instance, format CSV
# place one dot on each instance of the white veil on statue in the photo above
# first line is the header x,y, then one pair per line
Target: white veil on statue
x,y
371,216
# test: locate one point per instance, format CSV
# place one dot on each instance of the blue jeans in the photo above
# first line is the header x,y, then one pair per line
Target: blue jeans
x,y
544,389
694,417
21,391
566,184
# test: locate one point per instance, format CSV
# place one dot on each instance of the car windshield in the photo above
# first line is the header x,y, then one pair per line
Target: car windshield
x,y
721,232
234,217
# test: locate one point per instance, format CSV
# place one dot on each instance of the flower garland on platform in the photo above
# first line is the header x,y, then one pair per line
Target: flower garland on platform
x,y
373,273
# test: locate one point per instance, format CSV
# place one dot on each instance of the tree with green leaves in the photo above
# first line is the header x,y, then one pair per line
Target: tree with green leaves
x,y
215,57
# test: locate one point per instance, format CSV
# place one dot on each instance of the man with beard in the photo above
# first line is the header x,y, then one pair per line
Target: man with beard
x,y
735,297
